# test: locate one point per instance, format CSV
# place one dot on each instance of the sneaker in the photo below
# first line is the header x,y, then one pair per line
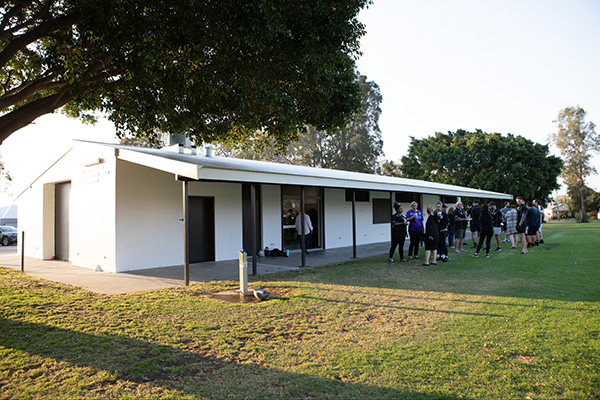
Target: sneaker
x,y
475,255
391,260
522,252
458,251
542,241
445,259
487,255
537,243
464,251
403,260
451,247
498,249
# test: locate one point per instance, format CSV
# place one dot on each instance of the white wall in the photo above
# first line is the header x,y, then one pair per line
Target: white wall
x,y
91,199
149,213
271,217
338,220
92,212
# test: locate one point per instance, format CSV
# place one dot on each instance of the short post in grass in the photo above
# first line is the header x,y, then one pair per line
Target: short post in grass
x,y
243,273
22,251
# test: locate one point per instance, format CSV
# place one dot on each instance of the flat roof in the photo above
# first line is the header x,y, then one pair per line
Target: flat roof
x,y
215,168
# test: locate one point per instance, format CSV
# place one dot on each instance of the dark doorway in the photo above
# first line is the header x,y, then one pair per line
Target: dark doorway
x,y
62,198
247,218
202,228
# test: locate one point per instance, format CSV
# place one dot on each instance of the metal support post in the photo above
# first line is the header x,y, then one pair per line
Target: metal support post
x,y
186,236
243,273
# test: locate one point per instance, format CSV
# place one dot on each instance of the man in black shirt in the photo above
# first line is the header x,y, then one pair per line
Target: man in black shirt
x,y
475,214
460,226
521,223
399,224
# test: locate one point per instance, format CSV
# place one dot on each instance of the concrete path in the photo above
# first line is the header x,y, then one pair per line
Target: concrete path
x,y
156,278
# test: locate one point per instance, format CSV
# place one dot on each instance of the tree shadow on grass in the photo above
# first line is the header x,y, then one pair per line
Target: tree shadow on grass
x,y
128,364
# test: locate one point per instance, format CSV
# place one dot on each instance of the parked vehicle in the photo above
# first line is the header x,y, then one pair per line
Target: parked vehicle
x,y
8,235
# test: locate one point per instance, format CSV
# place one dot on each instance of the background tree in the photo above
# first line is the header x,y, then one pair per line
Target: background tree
x,y
487,161
355,147
205,69
592,201
5,178
576,140
390,168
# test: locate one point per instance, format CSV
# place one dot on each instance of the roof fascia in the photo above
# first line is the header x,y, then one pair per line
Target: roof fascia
x,y
179,168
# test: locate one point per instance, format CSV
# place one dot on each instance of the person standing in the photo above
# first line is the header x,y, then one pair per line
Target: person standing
x,y
451,227
399,225
415,230
432,232
475,213
540,237
443,228
532,218
521,223
503,211
511,226
496,223
460,227
487,231
308,228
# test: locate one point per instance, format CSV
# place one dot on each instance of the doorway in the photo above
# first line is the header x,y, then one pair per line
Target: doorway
x,y
291,205
62,199
201,228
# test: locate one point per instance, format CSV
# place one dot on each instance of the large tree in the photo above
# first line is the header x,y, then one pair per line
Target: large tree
x,y
487,161
205,69
357,146
576,140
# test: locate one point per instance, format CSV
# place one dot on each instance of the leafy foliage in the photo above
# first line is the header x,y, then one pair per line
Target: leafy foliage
x,y
357,146
487,161
576,141
207,69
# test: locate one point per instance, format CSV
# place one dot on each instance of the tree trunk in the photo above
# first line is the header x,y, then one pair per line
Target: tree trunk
x,y
583,210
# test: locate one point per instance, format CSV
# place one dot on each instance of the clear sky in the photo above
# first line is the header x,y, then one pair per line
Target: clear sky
x,y
502,66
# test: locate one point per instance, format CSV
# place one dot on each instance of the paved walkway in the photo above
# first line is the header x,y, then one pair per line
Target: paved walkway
x,y
156,278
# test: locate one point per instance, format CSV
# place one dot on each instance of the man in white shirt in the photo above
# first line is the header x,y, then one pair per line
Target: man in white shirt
x,y
308,228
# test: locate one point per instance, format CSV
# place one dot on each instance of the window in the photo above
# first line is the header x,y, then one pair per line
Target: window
x,y
359,195
382,211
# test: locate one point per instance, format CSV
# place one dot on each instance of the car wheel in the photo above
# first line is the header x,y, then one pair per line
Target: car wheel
x,y
5,241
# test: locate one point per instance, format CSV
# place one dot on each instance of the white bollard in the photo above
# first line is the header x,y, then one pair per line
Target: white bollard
x,y
243,273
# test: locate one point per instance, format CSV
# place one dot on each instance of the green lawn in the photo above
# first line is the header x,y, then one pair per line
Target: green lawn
x,y
509,327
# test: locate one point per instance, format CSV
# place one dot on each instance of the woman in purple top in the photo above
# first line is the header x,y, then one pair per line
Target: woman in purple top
x,y
415,231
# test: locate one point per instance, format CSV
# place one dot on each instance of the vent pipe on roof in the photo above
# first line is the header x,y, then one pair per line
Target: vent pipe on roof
x,y
209,151
193,149
180,146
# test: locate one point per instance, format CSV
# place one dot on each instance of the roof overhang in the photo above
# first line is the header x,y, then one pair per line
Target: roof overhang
x,y
203,168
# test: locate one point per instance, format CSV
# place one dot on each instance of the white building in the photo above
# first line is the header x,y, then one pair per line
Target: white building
x,y
122,208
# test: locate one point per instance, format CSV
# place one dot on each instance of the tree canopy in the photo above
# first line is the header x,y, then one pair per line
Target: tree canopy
x,y
357,146
488,161
576,141
205,69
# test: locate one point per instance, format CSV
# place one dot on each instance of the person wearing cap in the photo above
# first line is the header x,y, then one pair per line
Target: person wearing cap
x,y
399,225
496,223
443,231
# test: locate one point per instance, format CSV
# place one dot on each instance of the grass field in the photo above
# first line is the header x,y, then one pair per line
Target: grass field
x,y
508,327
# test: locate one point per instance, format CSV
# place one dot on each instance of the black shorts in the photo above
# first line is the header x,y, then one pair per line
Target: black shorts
x,y
520,229
430,244
531,230
475,228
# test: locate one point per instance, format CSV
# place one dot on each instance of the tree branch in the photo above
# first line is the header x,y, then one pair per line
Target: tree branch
x,y
7,33
42,30
23,116
27,89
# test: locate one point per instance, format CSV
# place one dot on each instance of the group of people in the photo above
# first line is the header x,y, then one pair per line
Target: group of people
x,y
446,228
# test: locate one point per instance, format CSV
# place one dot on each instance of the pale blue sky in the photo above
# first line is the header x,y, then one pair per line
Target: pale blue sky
x,y
501,66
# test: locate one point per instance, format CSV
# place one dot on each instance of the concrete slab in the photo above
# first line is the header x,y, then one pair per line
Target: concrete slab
x,y
156,278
